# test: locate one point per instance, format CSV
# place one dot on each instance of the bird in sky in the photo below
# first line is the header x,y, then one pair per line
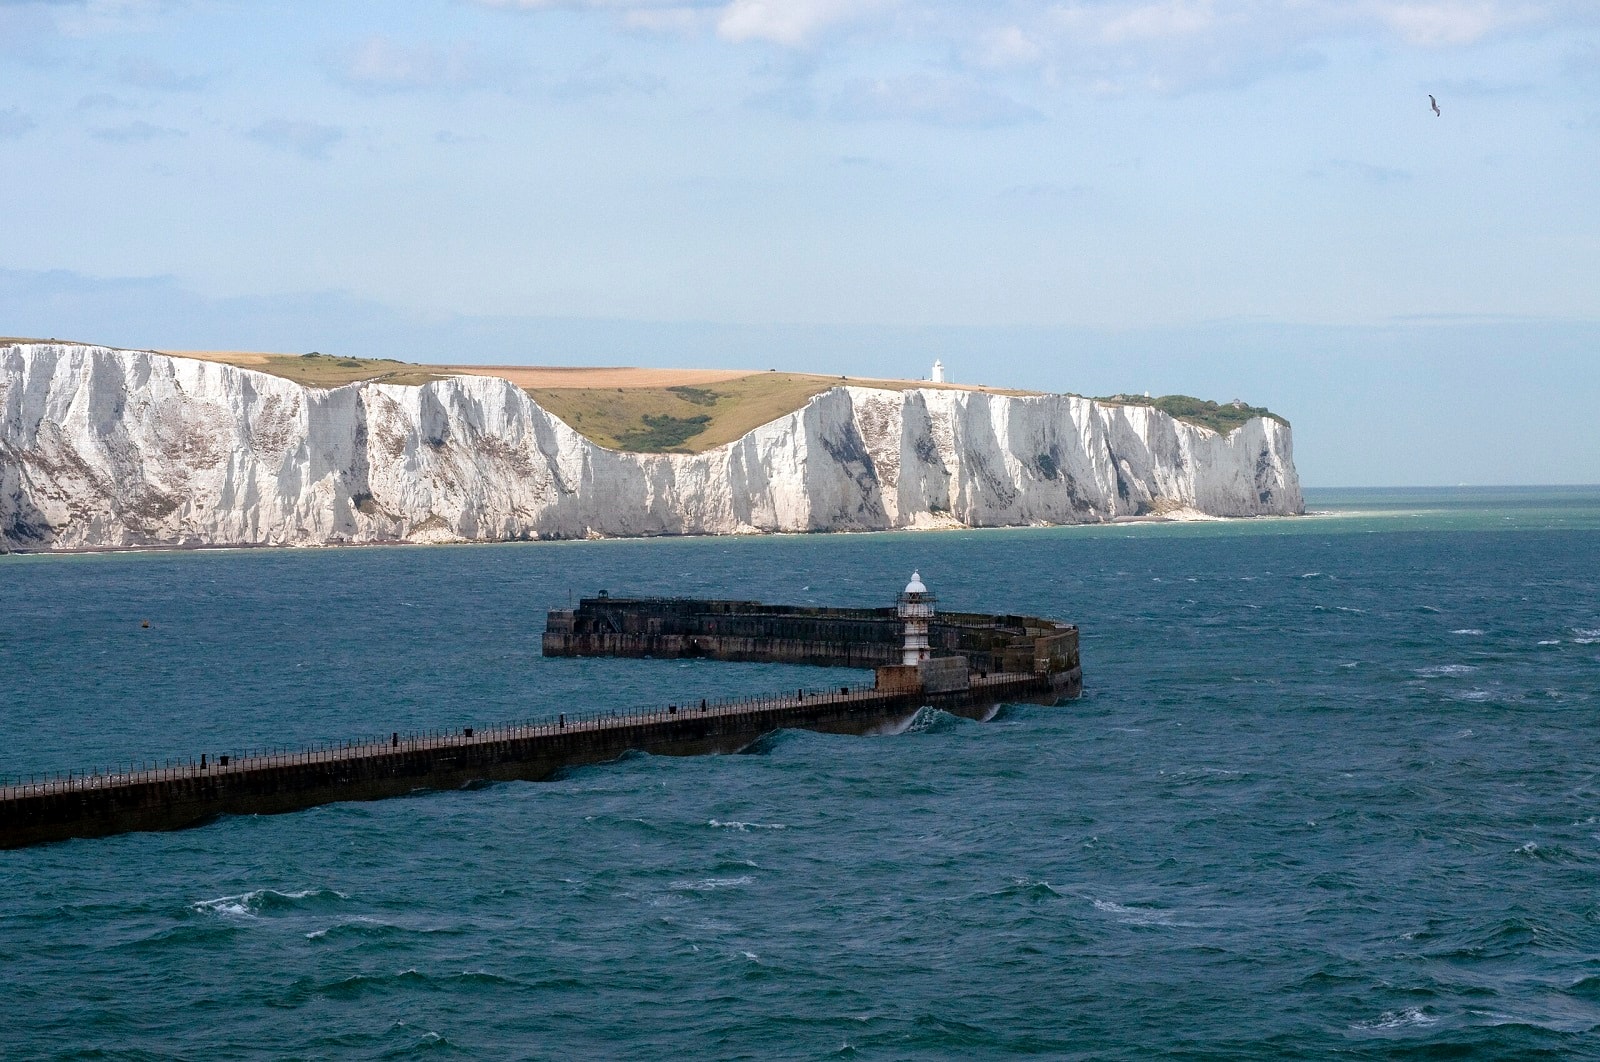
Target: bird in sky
x,y
1434,104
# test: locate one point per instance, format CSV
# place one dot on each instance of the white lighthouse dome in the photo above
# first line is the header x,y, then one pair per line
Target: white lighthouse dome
x,y
915,585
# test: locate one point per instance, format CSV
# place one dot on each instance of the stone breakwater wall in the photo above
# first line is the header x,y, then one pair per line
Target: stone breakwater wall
x,y
104,448
980,662
798,634
94,805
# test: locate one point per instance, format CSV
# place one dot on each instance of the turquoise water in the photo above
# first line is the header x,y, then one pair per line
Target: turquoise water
x,y
1333,790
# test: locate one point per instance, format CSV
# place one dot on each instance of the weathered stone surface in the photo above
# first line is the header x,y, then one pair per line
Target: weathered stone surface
x,y
110,448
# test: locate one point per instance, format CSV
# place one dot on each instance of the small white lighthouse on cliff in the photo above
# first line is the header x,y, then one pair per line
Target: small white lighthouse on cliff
x,y
938,372
916,612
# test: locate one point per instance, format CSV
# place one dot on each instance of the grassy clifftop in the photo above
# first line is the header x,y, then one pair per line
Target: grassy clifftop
x,y
321,370
640,410
680,418
663,410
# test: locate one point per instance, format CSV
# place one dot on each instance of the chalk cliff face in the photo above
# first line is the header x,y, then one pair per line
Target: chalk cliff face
x,y
105,448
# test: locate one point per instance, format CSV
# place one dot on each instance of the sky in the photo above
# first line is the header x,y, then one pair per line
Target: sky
x,y
1228,198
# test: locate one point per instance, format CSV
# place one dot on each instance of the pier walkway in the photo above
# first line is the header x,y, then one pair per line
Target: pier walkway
x,y
165,797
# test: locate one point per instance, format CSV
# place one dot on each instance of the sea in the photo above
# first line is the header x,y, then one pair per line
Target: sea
x,y
1332,792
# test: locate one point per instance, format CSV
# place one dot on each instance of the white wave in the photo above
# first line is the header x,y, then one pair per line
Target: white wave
x,y
917,722
1446,669
1135,916
246,904
1551,641
744,826
237,906
361,920
1031,883
896,727
1473,695
1467,630
1411,1017
711,884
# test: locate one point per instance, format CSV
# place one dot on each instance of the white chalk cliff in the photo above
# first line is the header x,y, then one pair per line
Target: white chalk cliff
x,y
105,448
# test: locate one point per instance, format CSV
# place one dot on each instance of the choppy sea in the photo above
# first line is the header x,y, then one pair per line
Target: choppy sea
x,y
1332,791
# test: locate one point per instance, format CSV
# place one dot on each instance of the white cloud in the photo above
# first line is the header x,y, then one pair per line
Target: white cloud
x,y
790,22
599,5
13,123
667,19
1445,24
1174,18
136,133
931,98
1428,23
1099,46
596,76
307,139
539,5
1364,171
793,23
1007,46
1175,46
382,63
1032,27
149,74
92,18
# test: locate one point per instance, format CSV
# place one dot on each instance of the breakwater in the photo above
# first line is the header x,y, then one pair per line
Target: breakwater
x,y
802,634
92,804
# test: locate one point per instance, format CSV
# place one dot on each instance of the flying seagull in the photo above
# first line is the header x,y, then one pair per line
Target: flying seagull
x,y
1434,104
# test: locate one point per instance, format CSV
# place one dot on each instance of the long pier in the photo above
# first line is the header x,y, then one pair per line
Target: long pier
x,y
173,797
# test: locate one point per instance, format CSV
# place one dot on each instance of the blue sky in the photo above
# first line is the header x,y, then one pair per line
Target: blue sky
x,y
1232,198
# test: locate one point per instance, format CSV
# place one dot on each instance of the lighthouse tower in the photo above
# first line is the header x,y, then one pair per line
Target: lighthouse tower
x,y
916,612
938,372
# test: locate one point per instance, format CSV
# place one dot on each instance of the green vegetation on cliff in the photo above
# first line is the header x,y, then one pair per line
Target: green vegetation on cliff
x,y
1221,417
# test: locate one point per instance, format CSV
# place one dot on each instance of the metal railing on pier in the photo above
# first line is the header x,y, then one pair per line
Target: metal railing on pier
x,y
211,764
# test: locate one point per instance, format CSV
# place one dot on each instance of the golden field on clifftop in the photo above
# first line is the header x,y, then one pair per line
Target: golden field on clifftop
x,y
642,410
659,410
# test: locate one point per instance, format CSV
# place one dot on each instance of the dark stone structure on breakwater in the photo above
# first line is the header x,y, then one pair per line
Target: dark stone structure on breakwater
x,y
961,663
959,644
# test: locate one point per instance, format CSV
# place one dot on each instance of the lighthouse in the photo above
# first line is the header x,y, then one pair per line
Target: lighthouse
x,y
938,372
916,612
